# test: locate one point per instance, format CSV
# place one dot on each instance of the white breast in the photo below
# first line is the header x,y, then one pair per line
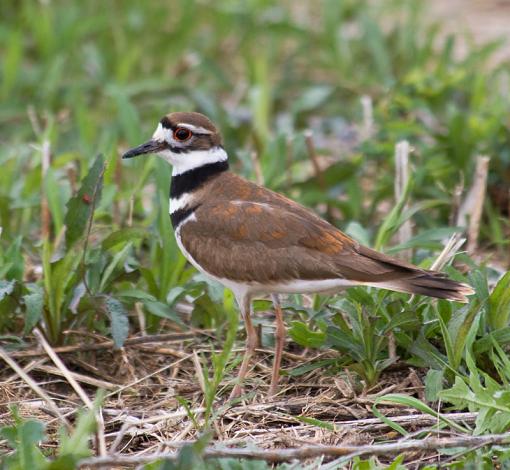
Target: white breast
x,y
181,202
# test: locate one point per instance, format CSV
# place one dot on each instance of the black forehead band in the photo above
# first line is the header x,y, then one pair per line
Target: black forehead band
x,y
167,124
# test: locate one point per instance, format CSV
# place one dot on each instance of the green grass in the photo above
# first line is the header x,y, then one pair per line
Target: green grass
x,y
93,78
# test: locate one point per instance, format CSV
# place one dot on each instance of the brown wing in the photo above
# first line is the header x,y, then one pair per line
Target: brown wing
x,y
248,241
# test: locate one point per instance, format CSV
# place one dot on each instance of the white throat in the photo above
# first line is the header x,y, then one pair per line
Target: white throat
x,y
186,161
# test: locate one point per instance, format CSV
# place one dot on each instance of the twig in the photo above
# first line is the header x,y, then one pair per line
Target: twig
x,y
78,377
156,372
77,388
110,344
141,318
404,234
402,151
255,161
313,158
456,202
367,107
34,386
310,451
34,120
131,211
449,251
199,372
30,366
415,420
161,350
473,204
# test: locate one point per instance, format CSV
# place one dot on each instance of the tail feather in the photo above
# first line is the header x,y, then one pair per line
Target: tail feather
x,y
390,273
431,284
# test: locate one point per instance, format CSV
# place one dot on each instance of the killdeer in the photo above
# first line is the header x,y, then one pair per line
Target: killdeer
x,y
255,241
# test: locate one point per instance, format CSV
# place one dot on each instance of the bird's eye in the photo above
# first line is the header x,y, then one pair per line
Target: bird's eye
x,y
181,134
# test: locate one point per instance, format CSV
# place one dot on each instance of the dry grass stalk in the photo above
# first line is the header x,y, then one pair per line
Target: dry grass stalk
x,y
110,344
312,451
312,154
368,127
30,366
131,211
78,377
451,248
34,386
257,168
76,387
470,212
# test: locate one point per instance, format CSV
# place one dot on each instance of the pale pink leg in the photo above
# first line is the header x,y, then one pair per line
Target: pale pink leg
x,y
251,344
279,337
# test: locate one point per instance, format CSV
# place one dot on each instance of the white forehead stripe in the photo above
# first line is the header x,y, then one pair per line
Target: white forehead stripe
x,y
161,133
197,129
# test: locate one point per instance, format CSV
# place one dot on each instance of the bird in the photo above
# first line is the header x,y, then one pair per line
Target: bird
x,y
257,242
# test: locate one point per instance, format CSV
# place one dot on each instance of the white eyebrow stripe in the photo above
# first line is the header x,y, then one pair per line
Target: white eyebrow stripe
x,y
197,129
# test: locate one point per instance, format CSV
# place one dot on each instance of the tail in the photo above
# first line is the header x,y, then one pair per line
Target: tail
x,y
430,283
385,272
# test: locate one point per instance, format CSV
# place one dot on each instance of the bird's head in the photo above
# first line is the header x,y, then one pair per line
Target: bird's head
x,y
185,140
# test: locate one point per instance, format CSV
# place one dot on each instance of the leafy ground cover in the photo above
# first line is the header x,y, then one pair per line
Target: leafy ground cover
x,y
312,99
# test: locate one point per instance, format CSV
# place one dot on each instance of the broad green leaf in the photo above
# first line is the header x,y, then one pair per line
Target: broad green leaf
x,y
136,294
24,437
499,303
6,288
77,445
433,384
15,262
484,344
306,337
162,310
117,260
394,219
34,308
342,341
119,320
79,207
123,235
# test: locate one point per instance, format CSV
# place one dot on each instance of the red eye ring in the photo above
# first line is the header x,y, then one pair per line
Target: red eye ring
x,y
182,133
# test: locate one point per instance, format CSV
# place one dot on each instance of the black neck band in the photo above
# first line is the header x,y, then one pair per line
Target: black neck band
x,y
190,180
180,215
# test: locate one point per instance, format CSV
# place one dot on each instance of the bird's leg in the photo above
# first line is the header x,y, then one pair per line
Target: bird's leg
x,y
251,344
279,337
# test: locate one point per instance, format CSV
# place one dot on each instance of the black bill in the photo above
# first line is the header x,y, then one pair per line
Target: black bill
x,y
152,146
